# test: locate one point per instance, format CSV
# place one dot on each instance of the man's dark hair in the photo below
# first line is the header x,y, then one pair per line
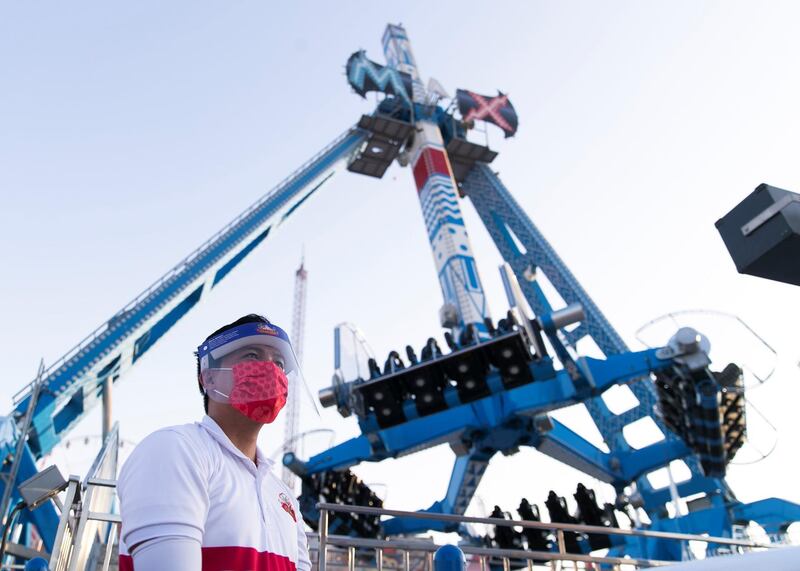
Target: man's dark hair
x,y
251,318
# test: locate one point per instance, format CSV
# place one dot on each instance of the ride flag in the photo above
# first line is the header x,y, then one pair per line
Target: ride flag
x,y
365,75
497,110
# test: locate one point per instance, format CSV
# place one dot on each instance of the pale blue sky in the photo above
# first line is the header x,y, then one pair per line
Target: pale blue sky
x,y
129,133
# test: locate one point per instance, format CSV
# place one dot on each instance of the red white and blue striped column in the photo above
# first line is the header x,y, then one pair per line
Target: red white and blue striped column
x,y
436,187
452,253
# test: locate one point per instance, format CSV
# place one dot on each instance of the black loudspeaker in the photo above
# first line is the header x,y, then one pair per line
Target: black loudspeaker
x,y
762,234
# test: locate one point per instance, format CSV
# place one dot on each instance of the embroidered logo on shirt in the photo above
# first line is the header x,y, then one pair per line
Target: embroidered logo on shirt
x,y
286,504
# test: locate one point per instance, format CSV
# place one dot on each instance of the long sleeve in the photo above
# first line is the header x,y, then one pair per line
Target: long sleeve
x,y
163,490
168,554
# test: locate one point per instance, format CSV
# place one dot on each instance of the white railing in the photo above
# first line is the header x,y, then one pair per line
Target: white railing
x,y
88,524
80,543
485,556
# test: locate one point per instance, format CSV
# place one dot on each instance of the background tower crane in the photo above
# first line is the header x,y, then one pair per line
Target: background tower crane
x,y
298,331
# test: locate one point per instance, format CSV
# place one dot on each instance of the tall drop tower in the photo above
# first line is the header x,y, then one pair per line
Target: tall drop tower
x,y
298,332
464,298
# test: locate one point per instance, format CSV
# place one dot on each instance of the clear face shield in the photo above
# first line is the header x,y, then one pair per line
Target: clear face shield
x,y
254,369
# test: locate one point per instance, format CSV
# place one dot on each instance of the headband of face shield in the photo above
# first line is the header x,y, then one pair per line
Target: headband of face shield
x,y
264,368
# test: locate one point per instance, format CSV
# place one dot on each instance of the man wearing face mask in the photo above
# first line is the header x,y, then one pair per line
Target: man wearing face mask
x,y
202,496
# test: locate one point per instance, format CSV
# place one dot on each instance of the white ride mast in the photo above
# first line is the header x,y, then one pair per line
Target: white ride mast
x,y
298,332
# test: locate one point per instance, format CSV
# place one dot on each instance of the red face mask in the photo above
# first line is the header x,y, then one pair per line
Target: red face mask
x,y
259,390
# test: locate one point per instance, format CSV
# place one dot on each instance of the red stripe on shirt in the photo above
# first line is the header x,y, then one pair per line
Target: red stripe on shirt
x,y
231,559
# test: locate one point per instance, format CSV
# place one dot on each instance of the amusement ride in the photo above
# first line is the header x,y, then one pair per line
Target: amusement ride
x,y
490,390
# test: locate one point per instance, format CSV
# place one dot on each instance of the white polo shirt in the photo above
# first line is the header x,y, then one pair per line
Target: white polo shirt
x,y
191,481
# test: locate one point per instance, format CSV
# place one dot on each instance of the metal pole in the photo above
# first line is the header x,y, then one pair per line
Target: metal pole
x,y
23,439
112,538
673,493
562,549
676,504
108,383
292,426
560,541
323,538
63,538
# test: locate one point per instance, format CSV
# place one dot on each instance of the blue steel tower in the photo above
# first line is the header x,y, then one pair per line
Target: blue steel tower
x,y
493,394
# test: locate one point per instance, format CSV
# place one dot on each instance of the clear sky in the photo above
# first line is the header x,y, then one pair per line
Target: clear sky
x,y
131,132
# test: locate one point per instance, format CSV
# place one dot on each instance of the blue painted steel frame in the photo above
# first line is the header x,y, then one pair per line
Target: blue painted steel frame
x,y
45,518
511,228
505,221
552,390
63,382
503,216
502,421
506,420
73,384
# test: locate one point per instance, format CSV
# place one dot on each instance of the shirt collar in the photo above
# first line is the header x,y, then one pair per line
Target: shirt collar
x,y
219,435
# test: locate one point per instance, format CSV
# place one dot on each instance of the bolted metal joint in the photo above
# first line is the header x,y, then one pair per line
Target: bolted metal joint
x,y
327,397
687,347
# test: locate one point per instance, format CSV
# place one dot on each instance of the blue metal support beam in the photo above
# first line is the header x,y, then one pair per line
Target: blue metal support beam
x,y
549,392
74,382
45,518
773,514
523,246
503,421
467,474
73,385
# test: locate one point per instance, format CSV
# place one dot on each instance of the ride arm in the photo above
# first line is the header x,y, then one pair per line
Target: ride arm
x,y
526,250
74,383
458,424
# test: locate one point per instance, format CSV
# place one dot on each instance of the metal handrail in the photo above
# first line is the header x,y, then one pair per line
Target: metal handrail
x,y
430,547
92,524
20,395
506,555
408,545
68,540
80,526
62,545
551,526
110,446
